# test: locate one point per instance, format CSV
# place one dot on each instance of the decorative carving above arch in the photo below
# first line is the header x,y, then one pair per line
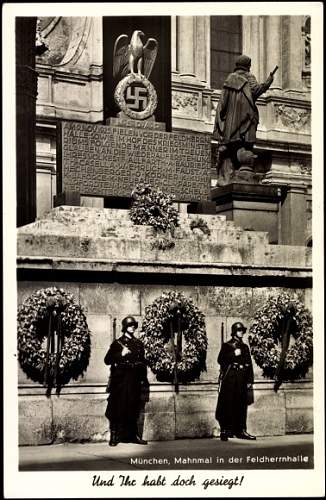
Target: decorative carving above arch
x,y
293,118
66,38
186,103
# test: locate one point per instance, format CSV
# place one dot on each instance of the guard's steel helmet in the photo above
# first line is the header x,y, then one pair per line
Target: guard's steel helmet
x,y
128,321
238,327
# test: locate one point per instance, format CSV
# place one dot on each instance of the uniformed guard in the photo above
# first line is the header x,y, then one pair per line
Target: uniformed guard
x,y
236,377
128,375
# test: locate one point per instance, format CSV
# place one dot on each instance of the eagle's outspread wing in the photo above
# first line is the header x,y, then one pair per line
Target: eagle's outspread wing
x,y
150,53
120,56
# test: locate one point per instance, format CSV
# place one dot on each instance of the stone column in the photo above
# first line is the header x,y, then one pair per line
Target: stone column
x,y
273,56
174,44
185,45
26,91
292,53
293,216
95,47
253,44
201,54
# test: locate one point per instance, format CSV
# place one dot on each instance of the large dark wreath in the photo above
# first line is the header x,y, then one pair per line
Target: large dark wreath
x,y
153,207
53,338
172,313
281,338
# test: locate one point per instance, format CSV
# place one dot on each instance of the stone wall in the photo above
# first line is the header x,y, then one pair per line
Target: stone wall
x,y
79,411
225,278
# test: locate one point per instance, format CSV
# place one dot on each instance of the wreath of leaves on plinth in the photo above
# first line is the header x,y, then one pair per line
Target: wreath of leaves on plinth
x,y
33,324
265,337
155,335
154,208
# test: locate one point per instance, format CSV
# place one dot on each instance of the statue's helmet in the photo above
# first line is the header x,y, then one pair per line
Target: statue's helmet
x,y
238,327
128,321
243,62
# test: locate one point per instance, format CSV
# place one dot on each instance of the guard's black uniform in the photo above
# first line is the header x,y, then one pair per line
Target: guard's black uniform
x,y
236,374
128,372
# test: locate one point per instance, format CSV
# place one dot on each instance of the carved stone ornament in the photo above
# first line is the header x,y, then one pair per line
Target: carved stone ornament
x,y
291,117
124,86
186,102
128,57
305,168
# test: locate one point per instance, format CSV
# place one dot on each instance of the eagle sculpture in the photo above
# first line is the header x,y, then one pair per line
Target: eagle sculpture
x,y
134,56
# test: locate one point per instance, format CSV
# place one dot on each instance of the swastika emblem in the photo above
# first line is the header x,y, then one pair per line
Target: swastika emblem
x,y
140,94
136,98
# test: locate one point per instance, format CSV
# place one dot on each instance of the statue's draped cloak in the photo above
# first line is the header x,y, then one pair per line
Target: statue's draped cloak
x,y
237,114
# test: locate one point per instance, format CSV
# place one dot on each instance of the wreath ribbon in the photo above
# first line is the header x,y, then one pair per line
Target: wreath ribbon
x,y
53,347
176,349
286,333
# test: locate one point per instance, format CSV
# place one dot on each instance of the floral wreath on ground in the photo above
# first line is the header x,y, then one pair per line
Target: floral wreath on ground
x,y
160,317
155,208
35,353
266,338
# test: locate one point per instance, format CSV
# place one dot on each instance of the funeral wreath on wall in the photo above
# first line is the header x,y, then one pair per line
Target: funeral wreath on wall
x,y
281,338
54,341
174,338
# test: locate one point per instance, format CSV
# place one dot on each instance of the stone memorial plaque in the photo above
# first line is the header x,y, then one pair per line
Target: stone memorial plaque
x,y
108,161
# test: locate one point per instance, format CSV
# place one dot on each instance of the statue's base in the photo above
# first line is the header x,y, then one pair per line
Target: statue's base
x,y
254,207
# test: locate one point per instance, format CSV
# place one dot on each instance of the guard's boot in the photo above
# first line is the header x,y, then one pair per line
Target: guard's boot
x,y
113,438
138,440
224,436
245,435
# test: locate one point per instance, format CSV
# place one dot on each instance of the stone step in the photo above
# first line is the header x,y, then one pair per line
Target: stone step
x,y
83,217
112,223
141,250
111,229
65,213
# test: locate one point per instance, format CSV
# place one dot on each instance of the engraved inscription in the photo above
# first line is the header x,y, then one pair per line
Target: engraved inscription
x,y
109,161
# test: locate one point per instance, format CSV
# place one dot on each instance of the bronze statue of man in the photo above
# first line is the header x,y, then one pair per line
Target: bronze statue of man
x,y
237,115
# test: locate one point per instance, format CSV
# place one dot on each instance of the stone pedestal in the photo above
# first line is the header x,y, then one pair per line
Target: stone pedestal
x,y
253,207
293,215
296,195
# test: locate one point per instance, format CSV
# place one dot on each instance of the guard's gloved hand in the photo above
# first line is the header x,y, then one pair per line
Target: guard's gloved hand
x,y
125,351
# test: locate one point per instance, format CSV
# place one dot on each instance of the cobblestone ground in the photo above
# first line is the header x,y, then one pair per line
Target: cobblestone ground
x,y
280,452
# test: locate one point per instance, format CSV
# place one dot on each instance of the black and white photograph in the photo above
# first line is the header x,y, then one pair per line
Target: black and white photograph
x,y
163,250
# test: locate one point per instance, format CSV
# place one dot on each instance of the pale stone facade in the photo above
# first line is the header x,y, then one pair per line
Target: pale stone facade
x,y
108,263
70,86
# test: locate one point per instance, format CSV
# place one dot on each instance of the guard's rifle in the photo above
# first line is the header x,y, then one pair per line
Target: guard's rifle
x,y
114,334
